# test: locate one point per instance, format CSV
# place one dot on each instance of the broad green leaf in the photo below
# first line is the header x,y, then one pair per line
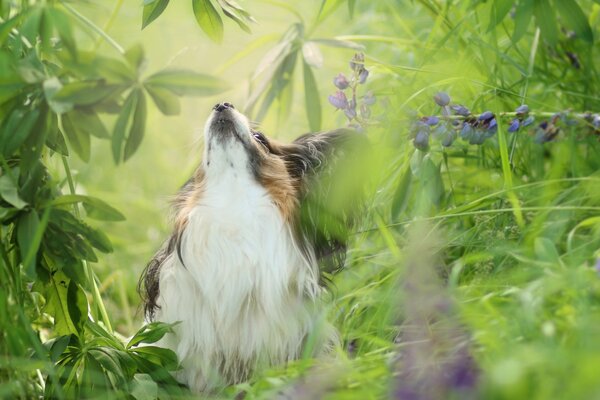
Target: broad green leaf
x,y
57,305
77,305
29,240
498,10
135,56
158,355
88,121
574,18
94,207
545,251
51,87
122,125
165,100
152,10
431,181
312,99
150,333
57,346
138,126
9,192
209,19
78,138
546,20
63,25
16,129
86,93
67,222
523,15
185,82
402,194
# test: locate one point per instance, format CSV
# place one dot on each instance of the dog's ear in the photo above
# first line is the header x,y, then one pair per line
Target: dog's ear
x,y
330,176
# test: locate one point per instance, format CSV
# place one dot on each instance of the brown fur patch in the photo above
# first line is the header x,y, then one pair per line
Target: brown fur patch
x,y
275,178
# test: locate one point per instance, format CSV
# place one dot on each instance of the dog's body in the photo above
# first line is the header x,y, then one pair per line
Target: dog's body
x,y
240,271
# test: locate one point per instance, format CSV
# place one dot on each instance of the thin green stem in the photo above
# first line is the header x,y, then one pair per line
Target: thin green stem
x,y
91,276
109,22
83,19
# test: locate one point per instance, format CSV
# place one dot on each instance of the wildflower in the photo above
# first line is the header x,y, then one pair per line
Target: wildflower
x,y
363,75
448,139
421,140
460,110
597,266
357,62
442,99
514,125
350,113
466,132
431,121
493,126
528,121
522,110
486,116
341,82
338,100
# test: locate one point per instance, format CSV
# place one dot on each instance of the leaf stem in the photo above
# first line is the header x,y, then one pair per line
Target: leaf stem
x,y
109,22
91,276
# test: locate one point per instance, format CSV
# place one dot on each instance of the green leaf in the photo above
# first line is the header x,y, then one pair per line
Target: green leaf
x,y
67,222
138,126
87,93
546,20
94,207
63,26
523,15
16,130
7,26
498,10
77,305
574,18
158,355
152,10
78,138
402,193
51,87
209,19
312,99
29,240
150,333
312,55
88,121
122,125
431,181
545,250
233,11
57,346
351,7
57,305
55,139
166,102
9,192
135,56
185,82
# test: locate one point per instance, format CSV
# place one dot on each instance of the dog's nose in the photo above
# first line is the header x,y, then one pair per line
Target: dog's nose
x,y
222,106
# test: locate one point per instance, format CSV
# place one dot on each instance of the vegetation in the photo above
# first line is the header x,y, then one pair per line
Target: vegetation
x,y
474,272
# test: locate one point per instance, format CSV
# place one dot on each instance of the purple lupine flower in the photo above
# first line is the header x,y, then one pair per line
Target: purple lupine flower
x,y
460,110
522,110
350,113
596,121
369,98
492,126
421,140
448,138
341,82
441,99
478,137
597,266
431,121
467,131
363,75
338,100
440,131
486,116
528,121
514,125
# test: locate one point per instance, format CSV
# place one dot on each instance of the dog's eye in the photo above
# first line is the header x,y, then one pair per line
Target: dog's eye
x,y
262,140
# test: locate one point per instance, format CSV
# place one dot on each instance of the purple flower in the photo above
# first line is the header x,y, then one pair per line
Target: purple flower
x,y
514,125
597,266
528,121
466,132
486,116
338,100
363,75
350,113
431,121
442,99
596,121
522,110
492,126
341,82
448,139
460,110
421,140
369,99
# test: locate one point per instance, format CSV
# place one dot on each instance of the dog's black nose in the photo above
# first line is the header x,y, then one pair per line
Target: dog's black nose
x,y
222,106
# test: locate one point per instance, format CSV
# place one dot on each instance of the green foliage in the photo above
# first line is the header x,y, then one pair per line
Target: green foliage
x,y
514,222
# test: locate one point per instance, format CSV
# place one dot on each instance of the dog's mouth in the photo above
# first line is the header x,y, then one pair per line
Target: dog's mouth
x,y
227,122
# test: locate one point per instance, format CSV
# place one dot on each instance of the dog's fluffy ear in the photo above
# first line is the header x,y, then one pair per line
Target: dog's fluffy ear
x,y
330,174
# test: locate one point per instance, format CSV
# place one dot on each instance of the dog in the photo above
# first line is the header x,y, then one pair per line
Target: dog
x,y
243,270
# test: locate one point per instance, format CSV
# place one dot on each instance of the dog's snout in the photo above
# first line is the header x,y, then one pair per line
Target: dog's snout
x,y
222,106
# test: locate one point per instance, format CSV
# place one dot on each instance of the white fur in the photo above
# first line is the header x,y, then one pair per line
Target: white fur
x,y
246,295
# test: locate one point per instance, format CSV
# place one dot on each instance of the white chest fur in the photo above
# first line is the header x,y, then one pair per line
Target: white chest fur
x,y
245,296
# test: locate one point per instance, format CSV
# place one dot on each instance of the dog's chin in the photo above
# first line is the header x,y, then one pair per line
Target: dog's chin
x,y
227,125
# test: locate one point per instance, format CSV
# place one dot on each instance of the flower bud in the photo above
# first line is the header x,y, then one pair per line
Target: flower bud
x,y
369,99
442,99
431,121
421,141
466,132
486,116
341,82
338,100
363,75
528,121
357,62
522,110
514,125
460,110
448,139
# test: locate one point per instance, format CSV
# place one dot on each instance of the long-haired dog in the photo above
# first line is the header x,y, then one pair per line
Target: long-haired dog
x,y
240,271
